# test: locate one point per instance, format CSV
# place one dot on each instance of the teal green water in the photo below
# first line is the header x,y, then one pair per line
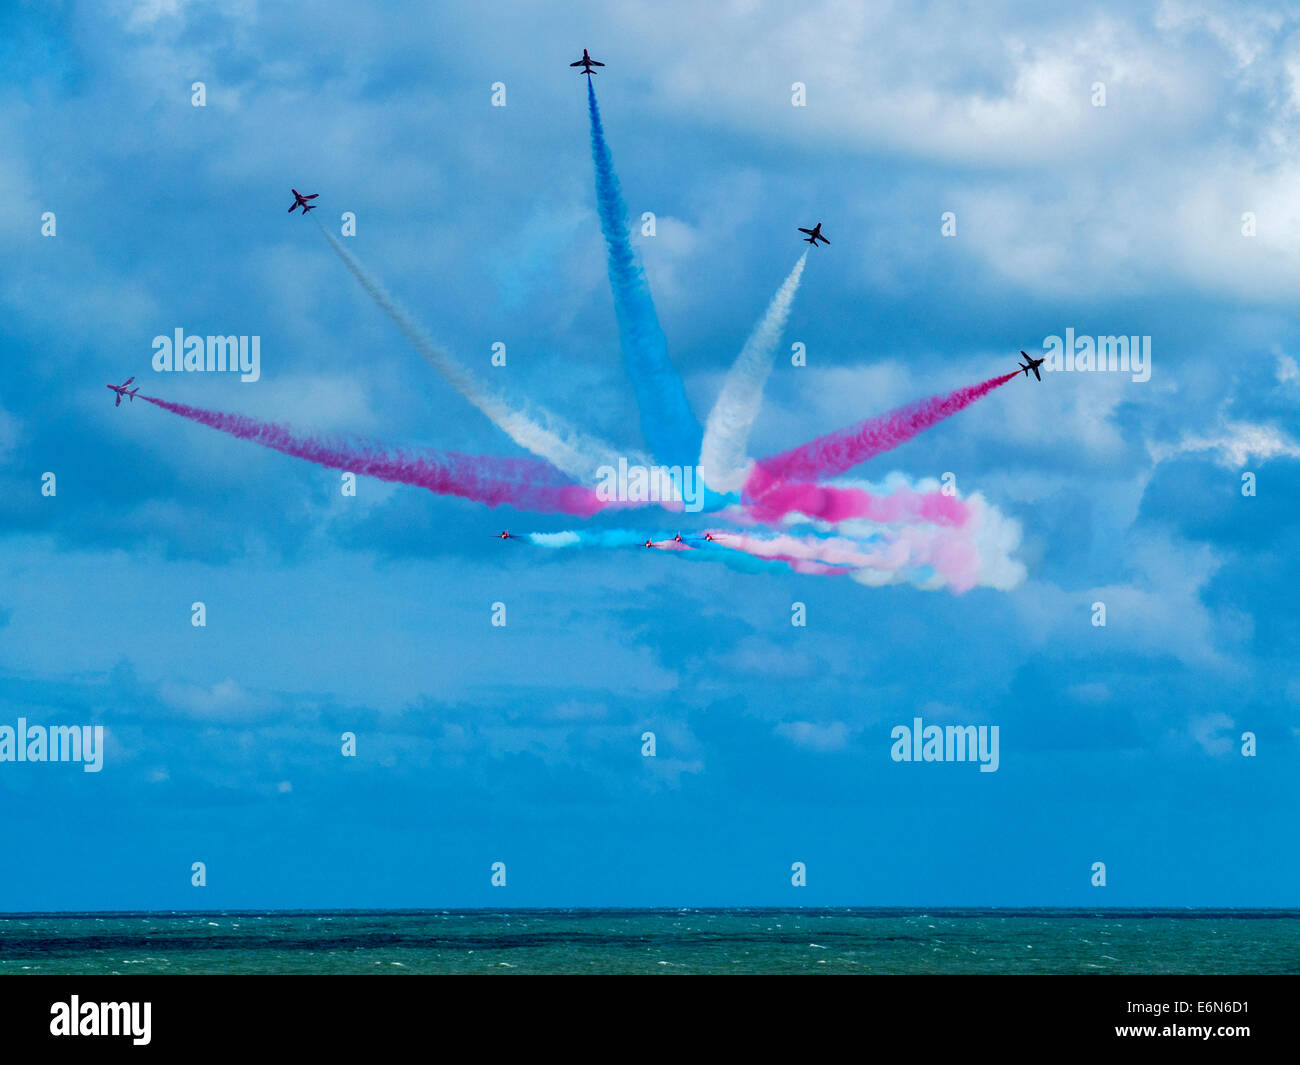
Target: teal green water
x,y
655,941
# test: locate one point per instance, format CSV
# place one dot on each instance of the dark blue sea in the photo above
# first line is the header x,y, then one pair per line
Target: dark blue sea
x,y
655,941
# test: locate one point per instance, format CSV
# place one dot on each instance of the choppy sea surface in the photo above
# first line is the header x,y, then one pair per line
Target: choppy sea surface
x,y
655,941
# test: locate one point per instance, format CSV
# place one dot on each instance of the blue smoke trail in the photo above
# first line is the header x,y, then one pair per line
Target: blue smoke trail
x,y
669,427
634,539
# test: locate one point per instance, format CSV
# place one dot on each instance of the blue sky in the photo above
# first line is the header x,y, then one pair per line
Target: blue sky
x,y
371,615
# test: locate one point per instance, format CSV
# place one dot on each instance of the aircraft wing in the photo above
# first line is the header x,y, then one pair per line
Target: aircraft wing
x,y
595,64
1037,374
119,400
127,381
822,239
291,209
577,64
312,196
802,230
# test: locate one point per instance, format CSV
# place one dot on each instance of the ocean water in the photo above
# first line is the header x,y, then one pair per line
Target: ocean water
x,y
655,941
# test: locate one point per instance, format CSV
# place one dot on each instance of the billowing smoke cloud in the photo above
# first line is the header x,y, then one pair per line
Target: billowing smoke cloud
x,y
537,431
977,554
519,482
668,425
835,503
966,544
723,461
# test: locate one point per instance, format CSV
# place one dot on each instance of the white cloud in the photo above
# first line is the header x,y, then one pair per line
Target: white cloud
x,y
1207,731
1157,611
1235,442
955,87
830,737
223,701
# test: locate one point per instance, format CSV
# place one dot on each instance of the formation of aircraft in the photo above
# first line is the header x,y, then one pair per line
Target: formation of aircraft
x,y
1031,364
680,539
814,235
506,534
299,200
586,62
122,390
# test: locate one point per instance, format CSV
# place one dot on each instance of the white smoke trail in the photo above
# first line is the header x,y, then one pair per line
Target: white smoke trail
x,y
723,462
544,435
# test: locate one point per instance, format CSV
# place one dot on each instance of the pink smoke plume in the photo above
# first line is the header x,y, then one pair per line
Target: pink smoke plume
x,y
833,550
832,504
528,484
837,452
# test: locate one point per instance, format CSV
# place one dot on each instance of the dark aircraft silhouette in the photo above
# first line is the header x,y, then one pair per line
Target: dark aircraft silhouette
x,y
122,390
1031,364
586,62
299,200
505,535
814,235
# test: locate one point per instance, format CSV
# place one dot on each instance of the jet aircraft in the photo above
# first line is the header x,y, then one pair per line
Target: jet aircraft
x,y
1031,364
122,390
814,235
586,62
299,200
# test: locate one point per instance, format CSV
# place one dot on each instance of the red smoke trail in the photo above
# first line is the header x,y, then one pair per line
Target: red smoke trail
x,y
528,484
833,454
